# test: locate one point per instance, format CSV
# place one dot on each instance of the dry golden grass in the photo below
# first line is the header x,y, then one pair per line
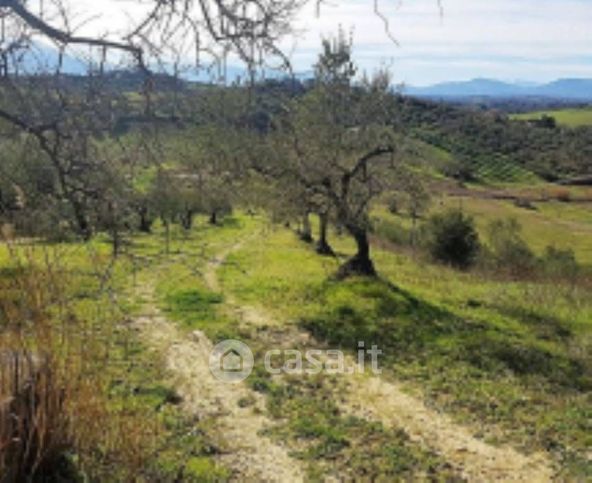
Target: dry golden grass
x,y
54,383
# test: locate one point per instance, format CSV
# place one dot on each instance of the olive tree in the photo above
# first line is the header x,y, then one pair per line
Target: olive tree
x,y
68,118
340,145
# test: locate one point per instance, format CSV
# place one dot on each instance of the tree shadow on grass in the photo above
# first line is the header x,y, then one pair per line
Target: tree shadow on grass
x,y
544,326
409,329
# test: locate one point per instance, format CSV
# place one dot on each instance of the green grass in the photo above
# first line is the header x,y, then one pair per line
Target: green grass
x,y
182,447
329,442
514,357
552,224
567,117
101,293
193,307
332,443
178,276
326,441
426,159
188,447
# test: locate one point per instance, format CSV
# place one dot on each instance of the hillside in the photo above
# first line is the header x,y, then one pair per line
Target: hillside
x,y
199,236
565,117
221,274
470,143
488,145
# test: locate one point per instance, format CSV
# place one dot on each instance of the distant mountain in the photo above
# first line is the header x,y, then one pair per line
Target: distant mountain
x,y
40,58
568,89
572,89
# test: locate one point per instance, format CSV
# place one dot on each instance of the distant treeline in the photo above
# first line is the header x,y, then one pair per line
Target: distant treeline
x,y
476,137
516,105
473,134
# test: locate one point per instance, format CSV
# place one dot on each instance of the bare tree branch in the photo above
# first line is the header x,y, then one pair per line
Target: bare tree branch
x,y
62,37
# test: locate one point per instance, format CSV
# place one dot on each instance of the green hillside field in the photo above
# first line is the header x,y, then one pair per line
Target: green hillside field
x,y
567,117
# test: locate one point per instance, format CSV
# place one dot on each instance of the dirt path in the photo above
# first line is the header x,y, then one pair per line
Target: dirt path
x,y
239,412
379,400
374,398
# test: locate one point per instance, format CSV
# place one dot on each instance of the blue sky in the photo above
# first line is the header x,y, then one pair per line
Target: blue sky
x,y
512,40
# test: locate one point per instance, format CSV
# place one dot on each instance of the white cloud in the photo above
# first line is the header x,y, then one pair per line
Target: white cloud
x,y
510,37
527,39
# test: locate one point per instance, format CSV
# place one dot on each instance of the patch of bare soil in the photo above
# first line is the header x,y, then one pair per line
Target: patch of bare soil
x,y
372,397
238,411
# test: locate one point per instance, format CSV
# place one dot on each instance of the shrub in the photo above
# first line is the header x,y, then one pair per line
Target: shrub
x,y
452,238
509,250
461,168
560,263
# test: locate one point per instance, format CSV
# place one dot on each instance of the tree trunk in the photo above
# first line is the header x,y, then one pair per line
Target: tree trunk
x,y
187,219
214,218
323,247
167,234
145,220
360,263
306,232
84,227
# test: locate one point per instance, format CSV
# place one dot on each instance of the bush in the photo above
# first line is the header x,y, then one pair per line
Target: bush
x,y
462,169
509,250
560,263
452,238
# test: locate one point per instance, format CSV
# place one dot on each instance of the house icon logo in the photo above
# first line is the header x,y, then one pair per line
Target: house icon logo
x,y
231,361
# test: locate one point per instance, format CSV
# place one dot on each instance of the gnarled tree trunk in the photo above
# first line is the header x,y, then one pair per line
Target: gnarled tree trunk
x,y
360,263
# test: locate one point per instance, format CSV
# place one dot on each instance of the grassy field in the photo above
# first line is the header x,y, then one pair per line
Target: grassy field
x,y
549,224
133,427
566,117
509,358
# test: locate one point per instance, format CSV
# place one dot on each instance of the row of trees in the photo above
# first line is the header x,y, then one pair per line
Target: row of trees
x,y
58,132
112,152
336,150
328,150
